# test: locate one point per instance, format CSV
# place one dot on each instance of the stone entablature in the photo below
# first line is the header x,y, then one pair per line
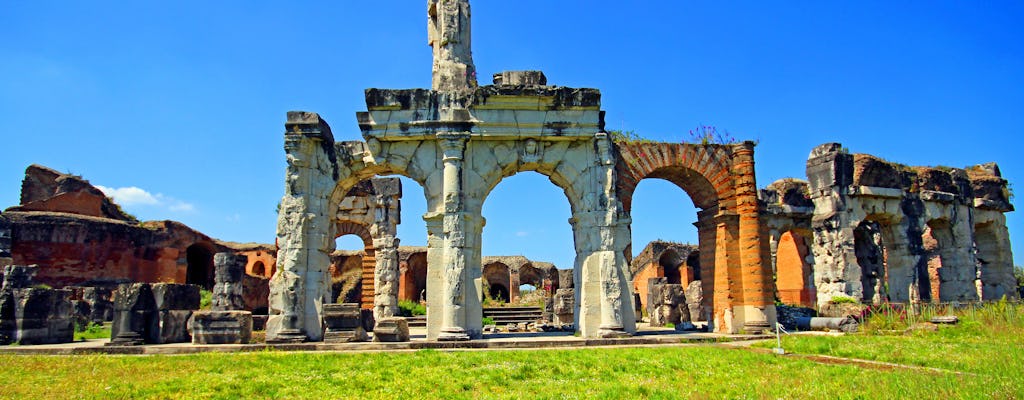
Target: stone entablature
x,y
929,231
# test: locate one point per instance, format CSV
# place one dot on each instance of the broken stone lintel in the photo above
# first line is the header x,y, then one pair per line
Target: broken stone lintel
x,y
785,209
937,196
994,205
874,191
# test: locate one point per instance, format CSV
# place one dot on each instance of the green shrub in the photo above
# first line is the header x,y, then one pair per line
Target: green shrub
x,y
488,321
409,308
843,300
205,299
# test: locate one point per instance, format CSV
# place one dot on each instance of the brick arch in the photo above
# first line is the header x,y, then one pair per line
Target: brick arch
x,y
702,171
719,178
369,261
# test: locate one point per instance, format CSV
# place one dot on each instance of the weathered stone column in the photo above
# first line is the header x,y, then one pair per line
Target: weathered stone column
x,y
959,267
901,262
385,277
304,236
756,304
227,287
448,33
836,273
601,234
453,146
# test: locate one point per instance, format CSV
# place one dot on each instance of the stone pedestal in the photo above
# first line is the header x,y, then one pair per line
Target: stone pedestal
x,y
135,316
221,327
564,304
344,323
227,287
391,330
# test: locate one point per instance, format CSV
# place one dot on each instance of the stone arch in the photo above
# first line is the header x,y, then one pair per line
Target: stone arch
x,y
200,268
719,179
259,269
499,282
339,272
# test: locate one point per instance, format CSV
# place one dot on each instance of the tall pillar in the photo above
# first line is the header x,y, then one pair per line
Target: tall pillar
x,y
448,33
836,272
304,238
385,277
601,233
757,303
959,266
453,146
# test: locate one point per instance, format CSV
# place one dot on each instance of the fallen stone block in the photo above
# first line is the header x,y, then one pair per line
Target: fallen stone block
x,y
391,330
343,323
221,327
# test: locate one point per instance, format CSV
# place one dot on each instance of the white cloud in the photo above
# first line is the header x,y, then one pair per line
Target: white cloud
x,y
132,196
522,234
129,196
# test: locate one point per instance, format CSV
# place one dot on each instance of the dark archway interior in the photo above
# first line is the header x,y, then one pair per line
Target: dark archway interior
x,y
259,269
693,263
670,262
871,257
418,276
499,292
200,265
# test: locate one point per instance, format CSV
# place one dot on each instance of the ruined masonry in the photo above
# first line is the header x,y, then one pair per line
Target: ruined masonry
x,y
459,140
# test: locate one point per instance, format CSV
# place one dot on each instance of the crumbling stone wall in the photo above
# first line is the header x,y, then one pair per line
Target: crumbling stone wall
x,y
678,263
870,222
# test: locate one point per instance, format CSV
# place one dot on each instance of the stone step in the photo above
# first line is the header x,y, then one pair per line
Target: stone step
x,y
417,321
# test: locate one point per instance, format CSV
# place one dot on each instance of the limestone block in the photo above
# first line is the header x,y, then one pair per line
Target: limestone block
x,y
173,325
174,296
565,279
564,305
344,323
395,329
44,316
221,327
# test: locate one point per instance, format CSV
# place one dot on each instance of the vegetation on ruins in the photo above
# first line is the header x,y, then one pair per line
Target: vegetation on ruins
x,y
630,137
409,308
707,134
205,299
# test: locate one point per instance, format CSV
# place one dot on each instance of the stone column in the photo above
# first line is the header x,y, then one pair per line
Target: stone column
x,y
453,146
304,234
601,234
773,246
757,304
448,33
227,287
385,277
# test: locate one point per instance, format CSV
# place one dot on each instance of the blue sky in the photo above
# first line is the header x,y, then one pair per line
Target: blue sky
x,y
178,107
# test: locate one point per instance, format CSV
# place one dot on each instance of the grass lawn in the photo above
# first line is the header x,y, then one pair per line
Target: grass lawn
x,y
982,355
662,372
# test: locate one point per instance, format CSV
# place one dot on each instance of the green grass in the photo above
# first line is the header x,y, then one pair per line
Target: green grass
x,y
988,342
664,372
93,331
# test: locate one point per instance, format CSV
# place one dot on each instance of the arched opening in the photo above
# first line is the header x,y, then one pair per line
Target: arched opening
x,y
527,215
671,263
793,270
871,257
200,269
663,218
497,278
348,267
414,277
259,269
